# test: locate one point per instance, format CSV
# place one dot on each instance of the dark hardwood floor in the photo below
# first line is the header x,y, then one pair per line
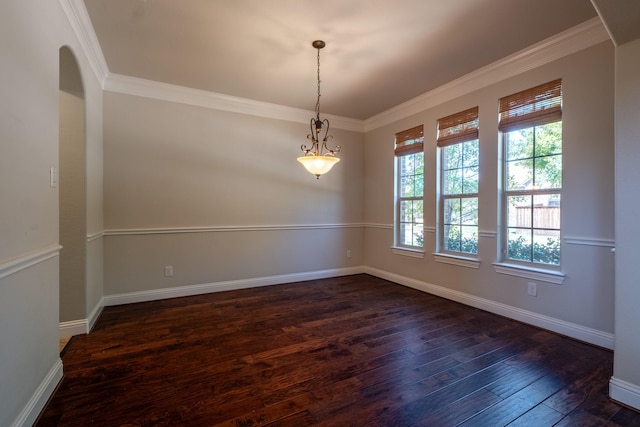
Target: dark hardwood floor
x,y
348,351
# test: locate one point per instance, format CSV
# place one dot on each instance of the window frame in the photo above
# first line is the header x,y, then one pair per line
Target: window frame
x,y
401,199
443,197
457,130
407,143
529,109
530,192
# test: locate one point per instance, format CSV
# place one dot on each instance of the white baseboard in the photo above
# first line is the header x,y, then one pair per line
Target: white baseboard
x,y
31,411
181,291
73,327
582,333
94,315
624,392
81,326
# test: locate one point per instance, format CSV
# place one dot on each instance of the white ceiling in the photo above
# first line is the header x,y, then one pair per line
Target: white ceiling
x,y
379,53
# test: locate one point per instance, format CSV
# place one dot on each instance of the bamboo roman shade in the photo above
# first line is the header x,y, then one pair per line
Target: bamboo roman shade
x,y
409,141
459,127
536,106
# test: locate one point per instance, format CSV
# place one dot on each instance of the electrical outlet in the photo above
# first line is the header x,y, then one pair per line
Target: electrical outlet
x,y
532,289
348,253
168,270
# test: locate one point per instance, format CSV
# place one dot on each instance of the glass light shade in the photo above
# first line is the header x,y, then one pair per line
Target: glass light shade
x,y
318,165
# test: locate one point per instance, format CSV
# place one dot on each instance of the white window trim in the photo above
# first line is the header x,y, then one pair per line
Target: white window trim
x,y
531,273
461,261
408,252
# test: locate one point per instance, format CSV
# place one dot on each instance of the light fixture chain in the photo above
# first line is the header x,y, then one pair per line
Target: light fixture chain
x,y
318,101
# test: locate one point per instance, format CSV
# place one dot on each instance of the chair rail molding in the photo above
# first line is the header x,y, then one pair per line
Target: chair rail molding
x,y
23,262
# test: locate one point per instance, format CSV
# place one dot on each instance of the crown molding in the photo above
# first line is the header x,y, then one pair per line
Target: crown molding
x,y
580,37
78,17
167,92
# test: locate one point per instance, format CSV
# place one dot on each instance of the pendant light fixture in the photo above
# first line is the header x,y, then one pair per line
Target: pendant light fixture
x,y
318,159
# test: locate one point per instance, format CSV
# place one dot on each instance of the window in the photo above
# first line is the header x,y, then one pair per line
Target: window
x,y
531,126
409,222
459,168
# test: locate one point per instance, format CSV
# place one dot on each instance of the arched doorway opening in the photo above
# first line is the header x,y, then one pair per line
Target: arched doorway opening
x,y
72,197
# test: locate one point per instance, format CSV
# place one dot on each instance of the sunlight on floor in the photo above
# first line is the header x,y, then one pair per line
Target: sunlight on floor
x,y
63,342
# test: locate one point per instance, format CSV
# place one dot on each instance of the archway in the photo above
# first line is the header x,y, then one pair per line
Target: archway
x,y
72,197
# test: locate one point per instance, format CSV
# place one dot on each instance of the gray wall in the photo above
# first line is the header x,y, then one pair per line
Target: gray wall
x,y
73,207
32,33
585,299
626,375
220,197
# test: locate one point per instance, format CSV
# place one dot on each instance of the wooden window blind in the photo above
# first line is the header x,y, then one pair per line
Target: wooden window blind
x,y
536,106
409,141
459,127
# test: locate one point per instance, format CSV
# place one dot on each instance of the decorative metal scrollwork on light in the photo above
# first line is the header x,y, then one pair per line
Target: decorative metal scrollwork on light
x,y
319,159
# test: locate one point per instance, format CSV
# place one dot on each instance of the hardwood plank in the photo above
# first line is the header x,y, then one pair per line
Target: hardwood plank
x,y
540,415
435,396
580,390
460,410
353,350
517,404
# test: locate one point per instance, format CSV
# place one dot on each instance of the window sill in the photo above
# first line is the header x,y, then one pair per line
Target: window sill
x,y
457,260
538,274
413,253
